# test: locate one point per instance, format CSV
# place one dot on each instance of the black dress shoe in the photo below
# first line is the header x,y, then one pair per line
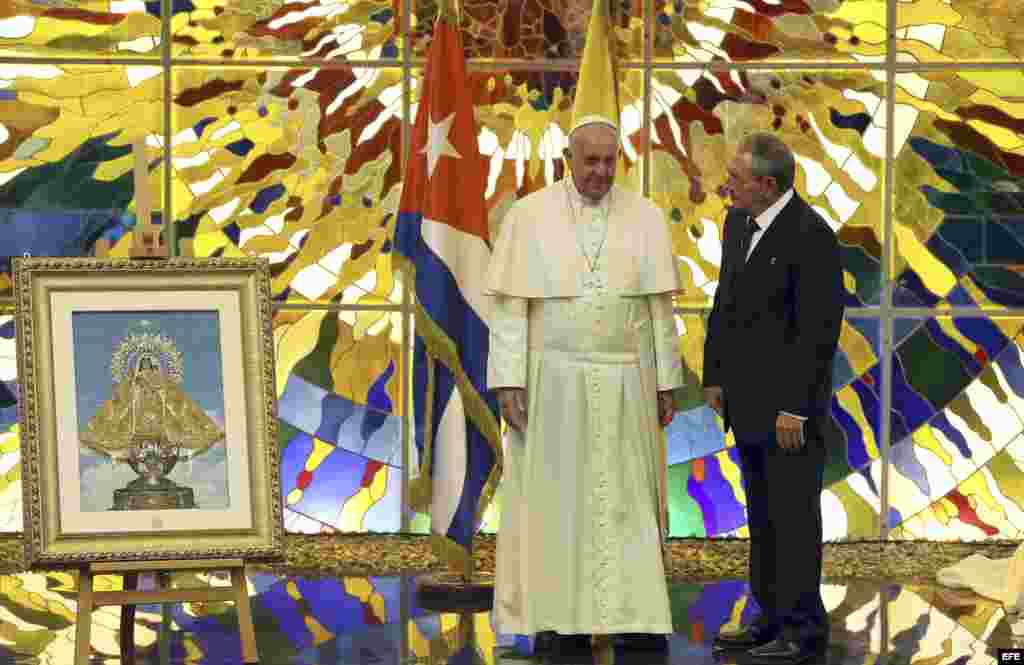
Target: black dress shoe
x,y
572,644
643,642
746,637
544,641
780,651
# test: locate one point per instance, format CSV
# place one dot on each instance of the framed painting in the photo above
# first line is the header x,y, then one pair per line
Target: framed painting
x,y
147,410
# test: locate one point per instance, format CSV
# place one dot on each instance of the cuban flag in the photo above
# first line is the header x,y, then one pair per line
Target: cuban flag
x,y
442,239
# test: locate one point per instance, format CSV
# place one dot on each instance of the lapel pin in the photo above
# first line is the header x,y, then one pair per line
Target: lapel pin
x,y
773,260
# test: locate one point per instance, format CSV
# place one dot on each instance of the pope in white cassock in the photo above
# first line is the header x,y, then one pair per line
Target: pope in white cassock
x,y
584,356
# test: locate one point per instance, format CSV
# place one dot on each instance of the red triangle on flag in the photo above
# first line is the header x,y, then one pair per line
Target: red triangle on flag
x,y
446,176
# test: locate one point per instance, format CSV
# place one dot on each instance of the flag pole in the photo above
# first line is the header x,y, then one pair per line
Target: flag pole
x,y
461,588
448,11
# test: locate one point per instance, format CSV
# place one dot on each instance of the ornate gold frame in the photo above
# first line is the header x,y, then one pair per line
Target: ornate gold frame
x,y
34,281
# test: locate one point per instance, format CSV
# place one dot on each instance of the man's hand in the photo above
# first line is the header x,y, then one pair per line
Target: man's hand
x,y
666,407
790,432
512,402
713,398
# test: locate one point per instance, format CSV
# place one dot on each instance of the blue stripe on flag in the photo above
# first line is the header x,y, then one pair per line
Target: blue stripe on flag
x,y
480,457
439,295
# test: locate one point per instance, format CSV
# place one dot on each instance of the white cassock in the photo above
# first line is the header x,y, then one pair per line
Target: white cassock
x,y
582,318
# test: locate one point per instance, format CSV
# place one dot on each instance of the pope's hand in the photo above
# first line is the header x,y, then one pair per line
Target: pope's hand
x,y
512,402
666,407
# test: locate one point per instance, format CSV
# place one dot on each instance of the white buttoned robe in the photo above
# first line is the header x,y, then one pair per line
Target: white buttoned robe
x,y
580,542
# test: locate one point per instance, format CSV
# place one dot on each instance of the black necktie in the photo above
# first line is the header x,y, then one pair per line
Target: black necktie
x,y
750,228
735,267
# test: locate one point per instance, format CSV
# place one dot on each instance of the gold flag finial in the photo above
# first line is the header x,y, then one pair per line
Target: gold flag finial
x,y
447,10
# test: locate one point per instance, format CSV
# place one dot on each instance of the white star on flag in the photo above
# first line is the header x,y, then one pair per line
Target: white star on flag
x,y
439,144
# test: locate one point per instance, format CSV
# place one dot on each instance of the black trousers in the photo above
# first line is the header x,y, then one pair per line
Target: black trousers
x,y
784,516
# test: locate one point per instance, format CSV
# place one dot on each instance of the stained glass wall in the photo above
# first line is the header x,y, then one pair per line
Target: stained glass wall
x,y
281,130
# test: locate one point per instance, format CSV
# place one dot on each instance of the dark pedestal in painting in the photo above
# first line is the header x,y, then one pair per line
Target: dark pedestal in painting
x,y
140,494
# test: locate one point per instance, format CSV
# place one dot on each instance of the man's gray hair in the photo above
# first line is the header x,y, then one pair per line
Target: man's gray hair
x,y
770,157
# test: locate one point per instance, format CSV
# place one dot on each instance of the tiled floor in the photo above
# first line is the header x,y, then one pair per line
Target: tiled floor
x,y
356,621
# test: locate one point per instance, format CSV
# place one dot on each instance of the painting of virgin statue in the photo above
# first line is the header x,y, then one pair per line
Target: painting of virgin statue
x,y
150,399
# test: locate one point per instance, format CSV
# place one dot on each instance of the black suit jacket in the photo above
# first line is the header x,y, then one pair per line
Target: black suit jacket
x,y
774,328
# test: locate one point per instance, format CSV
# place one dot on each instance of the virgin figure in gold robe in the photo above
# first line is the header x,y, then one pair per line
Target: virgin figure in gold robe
x,y
146,408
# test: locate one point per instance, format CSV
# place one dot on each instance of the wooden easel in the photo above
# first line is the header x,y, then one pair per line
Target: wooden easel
x,y
88,600
148,243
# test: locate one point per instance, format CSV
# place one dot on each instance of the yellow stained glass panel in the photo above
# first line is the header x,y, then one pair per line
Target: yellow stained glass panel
x,y
301,166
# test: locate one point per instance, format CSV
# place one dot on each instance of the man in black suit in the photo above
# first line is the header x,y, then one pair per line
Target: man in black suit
x,y
772,337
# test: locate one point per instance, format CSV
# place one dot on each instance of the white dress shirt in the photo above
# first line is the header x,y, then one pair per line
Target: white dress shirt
x,y
765,219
